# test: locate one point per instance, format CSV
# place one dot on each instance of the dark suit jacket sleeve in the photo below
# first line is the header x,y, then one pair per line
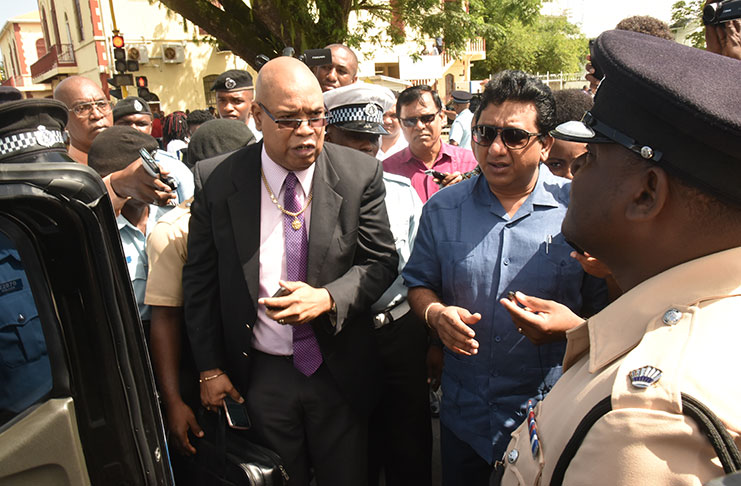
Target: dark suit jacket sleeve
x,y
375,262
201,286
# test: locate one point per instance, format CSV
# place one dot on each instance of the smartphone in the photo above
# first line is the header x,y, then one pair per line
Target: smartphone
x,y
597,71
576,247
154,170
281,292
236,414
437,175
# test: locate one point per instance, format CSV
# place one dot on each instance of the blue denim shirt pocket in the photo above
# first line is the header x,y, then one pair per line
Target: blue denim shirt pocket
x,y
21,337
559,274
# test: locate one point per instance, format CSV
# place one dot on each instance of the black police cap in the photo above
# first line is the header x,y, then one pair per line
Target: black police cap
x,y
461,97
32,127
676,106
116,147
232,80
132,105
9,93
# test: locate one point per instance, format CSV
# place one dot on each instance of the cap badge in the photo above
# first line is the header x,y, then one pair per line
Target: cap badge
x,y
44,137
645,377
647,152
138,106
229,83
371,110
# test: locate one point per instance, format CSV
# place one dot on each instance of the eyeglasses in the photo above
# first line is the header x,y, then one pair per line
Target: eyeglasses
x,y
84,109
294,123
412,120
513,138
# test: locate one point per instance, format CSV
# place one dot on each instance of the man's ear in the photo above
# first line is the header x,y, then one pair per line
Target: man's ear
x,y
649,194
257,115
545,147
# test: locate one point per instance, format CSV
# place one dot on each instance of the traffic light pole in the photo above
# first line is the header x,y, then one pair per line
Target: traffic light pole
x,y
124,94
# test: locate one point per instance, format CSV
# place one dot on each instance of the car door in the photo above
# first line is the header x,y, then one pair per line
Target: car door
x,y
77,397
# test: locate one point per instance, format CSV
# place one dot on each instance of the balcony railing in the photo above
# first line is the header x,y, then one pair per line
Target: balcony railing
x,y
475,46
58,56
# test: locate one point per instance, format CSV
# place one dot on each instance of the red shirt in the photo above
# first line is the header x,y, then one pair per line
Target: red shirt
x,y
156,128
449,159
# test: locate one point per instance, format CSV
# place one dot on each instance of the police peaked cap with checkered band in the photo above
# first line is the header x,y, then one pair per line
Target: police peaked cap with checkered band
x,y
31,128
132,105
233,80
359,107
676,106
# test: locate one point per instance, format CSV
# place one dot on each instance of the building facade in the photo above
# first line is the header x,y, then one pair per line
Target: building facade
x,y
178,59
22,44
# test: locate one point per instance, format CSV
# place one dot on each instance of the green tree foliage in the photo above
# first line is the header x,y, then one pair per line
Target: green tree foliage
x,y
688,15
537,45
255,27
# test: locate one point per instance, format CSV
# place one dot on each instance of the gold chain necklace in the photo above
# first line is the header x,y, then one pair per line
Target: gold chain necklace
x,y
295,224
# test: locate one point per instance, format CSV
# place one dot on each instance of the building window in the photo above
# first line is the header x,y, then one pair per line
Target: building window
x,y
40,48
390,69
45,25
208,81
78,15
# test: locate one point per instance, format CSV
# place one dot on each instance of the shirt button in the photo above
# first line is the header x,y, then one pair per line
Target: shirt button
x,y
671,317
512,456
505,261
497,339
245,354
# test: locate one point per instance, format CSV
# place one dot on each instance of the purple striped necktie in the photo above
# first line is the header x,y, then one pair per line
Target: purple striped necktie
x,y
307,357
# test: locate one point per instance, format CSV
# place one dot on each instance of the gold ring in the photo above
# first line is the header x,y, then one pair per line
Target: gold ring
x,y
519,329
281,321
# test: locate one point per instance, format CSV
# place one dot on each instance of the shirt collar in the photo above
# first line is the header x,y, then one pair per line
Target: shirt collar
x,y
542,195
620,326
276,174
155,212
446,150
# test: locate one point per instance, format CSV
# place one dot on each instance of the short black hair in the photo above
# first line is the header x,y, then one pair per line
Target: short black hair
x,y
645,24
410,95
199,117
571,104
522,87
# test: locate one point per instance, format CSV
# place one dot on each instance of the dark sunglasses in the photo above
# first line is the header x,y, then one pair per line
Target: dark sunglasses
x,y
294,123
412,120
513,138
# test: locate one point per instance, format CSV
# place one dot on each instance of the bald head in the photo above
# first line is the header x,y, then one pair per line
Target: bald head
x,y
287,89
284,74
90,112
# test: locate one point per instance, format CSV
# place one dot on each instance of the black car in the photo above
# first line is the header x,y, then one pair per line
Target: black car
x,y
97,420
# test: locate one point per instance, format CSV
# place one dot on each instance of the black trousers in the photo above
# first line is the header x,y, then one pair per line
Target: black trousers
x,y
461,465
307,422
400,426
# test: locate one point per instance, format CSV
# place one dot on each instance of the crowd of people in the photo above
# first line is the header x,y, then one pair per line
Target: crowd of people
x,y
319,253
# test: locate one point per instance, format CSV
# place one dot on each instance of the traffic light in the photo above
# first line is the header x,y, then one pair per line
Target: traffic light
x,y
132,65
117,81
119,53
142,90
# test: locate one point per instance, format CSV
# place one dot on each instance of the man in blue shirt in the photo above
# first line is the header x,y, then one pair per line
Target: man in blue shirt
x,y
479,240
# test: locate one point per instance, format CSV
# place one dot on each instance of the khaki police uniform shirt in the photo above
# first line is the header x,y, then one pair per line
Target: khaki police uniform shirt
x,y
167,251
645,439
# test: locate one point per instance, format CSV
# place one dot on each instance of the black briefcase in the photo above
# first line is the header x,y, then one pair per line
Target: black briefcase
x,y
226,457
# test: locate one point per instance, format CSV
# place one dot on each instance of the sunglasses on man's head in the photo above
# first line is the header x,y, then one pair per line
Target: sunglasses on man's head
x,y
412,120
513,138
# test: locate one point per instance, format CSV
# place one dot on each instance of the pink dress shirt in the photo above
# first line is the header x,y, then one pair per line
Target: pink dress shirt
x,y
449,159
269,336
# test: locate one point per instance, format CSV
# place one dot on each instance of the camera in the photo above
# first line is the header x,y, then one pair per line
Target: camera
x,y
719,12
310,57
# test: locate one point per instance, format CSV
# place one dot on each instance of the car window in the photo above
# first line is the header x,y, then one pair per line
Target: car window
x,y
25,372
